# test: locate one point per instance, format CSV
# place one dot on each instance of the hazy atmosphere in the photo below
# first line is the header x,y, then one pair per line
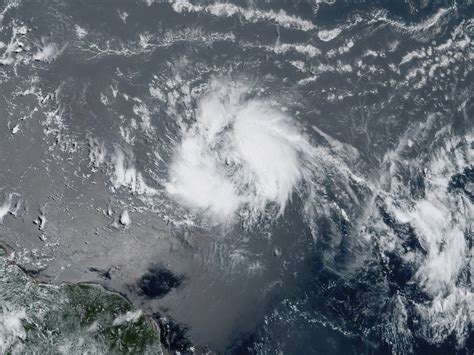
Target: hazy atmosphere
x,y
236,177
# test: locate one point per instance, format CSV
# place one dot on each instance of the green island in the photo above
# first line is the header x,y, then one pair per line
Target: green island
x,y
37,318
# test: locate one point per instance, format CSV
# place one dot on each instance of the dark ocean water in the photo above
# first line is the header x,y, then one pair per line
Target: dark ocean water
x,y
256,176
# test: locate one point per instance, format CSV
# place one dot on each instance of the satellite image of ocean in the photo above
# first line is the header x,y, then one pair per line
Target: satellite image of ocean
x,y
237,177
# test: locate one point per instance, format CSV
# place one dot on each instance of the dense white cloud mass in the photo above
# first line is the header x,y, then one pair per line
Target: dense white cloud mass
x,y
240,153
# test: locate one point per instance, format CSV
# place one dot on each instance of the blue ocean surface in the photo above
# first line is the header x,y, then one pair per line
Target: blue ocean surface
x,y
236,177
